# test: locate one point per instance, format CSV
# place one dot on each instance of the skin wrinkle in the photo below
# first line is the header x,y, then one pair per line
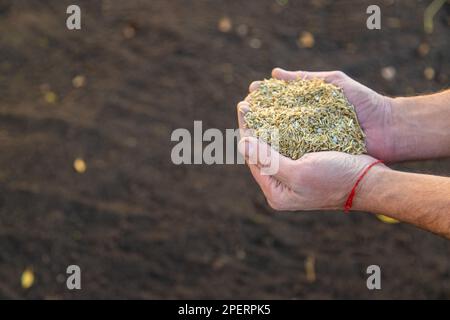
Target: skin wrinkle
x,y
388,138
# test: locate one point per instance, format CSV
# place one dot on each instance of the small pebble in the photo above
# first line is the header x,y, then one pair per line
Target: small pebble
x,y
255,43
388,73
79,81
429,73
242,30
224,25
423,49
306,40
129,32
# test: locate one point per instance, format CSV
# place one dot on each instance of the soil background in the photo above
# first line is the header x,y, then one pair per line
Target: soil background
x,y
142,227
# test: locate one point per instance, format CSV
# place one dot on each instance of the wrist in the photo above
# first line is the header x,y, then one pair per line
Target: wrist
x,y
384,136
393,129
371,188
402,144
420,127
411,129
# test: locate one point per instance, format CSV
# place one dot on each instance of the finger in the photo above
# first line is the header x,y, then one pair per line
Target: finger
x,y
269,161
262,180
282,74
254,85
271,187
242,108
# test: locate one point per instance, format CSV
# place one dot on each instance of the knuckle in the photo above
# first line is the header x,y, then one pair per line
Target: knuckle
x,y
264,161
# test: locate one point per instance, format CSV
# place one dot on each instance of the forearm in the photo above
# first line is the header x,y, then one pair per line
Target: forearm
x,y
421,127
422,200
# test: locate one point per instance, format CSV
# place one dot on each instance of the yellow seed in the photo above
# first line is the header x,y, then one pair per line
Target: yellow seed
x,y
224,25
50,97
79,81
387,219
303,116
27,278
79,165
306,40
310,268
429,73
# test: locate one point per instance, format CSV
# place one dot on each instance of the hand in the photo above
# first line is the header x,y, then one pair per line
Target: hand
x,y
320,180
374,111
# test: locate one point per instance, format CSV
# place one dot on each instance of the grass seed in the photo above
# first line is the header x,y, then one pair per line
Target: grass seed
x,y
308,116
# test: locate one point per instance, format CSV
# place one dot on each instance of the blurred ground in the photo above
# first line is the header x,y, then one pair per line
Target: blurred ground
x,y
141,227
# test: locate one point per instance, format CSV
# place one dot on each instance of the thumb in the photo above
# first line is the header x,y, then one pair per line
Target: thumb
x,y
328,76
266,158
282,74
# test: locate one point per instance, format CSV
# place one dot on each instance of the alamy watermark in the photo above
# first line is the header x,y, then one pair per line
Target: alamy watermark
x,y
374,280
214,146
373,22
73,21
73,281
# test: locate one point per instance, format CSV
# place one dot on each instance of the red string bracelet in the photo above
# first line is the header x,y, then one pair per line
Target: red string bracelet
x,y
349,202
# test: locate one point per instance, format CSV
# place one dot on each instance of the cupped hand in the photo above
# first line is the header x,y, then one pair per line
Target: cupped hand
x,y
316,181
374,111
320,180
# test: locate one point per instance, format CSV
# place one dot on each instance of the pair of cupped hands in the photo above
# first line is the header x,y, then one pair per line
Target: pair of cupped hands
x,y
320,180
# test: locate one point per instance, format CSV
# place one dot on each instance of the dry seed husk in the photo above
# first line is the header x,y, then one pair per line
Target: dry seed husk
x,y
304,116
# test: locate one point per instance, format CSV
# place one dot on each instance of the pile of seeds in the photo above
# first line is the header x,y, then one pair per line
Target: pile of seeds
x,y
301,116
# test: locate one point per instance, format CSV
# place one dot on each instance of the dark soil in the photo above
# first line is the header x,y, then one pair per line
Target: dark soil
x,y
141,227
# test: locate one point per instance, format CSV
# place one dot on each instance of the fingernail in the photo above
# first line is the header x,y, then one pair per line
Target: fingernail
x,y
254,85
243,109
